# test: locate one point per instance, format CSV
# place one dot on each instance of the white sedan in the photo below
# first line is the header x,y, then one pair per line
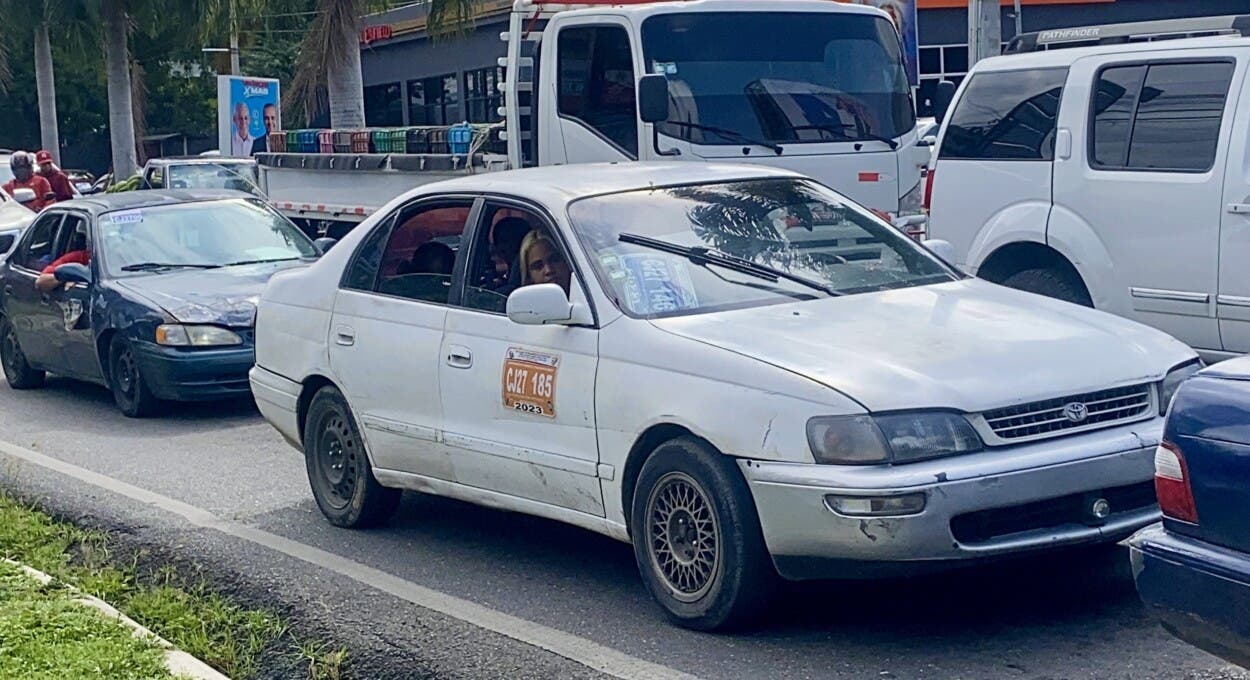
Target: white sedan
x,y
734,368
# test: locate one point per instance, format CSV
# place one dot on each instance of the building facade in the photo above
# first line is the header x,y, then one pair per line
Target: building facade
x,y
411,79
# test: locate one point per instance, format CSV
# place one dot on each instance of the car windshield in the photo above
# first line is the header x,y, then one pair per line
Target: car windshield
x,y
828,77
238,176
746,243
204,234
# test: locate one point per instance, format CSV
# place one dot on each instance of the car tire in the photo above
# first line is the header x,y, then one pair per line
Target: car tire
x,y
17,371
1051,282
130,389
338,466
688,496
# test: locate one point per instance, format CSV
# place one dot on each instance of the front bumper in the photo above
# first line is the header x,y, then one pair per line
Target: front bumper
x,y
1200,592
177,374
992,504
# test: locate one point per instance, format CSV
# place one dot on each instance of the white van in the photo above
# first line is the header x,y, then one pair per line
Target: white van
x,y
1115,176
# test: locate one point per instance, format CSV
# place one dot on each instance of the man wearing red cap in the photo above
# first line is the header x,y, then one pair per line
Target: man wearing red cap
x,y
59,180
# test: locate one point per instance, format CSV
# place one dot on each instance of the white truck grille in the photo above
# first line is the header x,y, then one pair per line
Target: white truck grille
x,y
1055,417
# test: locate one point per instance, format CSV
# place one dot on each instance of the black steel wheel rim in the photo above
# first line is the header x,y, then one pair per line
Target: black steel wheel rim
x,y
10,352
127,374
337,458
683,536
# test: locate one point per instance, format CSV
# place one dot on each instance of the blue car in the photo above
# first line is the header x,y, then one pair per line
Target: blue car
x,y
1193,570
151,294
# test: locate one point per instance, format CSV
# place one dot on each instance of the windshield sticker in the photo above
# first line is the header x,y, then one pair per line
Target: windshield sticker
x,y
126,217
668,68
657,284
529,382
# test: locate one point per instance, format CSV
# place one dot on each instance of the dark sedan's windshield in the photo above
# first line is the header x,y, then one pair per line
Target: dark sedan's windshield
x,y
780,76
684,250
202,234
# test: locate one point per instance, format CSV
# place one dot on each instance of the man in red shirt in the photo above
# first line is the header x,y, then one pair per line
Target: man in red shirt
x,y
79,253
23,166
61,185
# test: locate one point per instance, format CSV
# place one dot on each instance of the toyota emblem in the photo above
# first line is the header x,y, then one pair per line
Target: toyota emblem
x,y
1076,412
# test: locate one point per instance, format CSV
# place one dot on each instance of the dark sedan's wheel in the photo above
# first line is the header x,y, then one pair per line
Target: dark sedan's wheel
x,y
697,537
17,371
338,468
130,391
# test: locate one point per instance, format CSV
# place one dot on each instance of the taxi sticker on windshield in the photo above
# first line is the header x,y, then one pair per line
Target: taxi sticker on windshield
x,y
126,217
529,382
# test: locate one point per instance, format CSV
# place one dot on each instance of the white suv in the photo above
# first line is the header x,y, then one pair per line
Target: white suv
x,y
1112,176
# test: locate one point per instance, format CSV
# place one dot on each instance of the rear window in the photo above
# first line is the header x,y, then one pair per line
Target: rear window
x,y
1163,117
1006,116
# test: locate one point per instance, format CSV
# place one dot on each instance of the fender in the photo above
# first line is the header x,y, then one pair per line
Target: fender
x,y
1017,223
1077,240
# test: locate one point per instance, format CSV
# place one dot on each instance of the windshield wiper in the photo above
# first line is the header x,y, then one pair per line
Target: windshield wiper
x,y
865,136
151,266
243,262
705,256
726,133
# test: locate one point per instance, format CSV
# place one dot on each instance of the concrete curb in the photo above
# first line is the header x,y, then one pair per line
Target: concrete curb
x,y
179,663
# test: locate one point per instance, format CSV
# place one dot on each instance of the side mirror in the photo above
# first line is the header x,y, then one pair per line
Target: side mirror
x,y
24,195
942,100
539,305
942,249
928,141
73,273
324,244
653,108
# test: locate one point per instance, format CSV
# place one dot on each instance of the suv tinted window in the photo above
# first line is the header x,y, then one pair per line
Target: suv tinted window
x,y
1006,116
596,83
1168,120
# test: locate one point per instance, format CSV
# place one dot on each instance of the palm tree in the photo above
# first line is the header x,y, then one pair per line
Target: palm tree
x,y
328,68
36,16
115,16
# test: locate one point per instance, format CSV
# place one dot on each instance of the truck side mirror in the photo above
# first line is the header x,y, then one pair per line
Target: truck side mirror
x,y
942,99
653,98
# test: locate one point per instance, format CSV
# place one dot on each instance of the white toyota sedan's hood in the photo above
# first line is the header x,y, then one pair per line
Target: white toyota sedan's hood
x,y
967,345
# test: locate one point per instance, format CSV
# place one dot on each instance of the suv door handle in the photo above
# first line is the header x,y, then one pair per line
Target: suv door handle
x,y
344,335
459,356
1239,208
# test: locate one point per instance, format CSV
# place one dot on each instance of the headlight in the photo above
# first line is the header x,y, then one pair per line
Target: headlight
x,y
178,335
896,438
1172,382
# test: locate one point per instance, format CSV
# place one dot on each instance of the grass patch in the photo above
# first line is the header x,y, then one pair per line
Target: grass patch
x,y
46,635
231,638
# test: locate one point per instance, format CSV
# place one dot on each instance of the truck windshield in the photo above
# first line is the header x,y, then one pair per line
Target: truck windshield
x,y
711,247
780,76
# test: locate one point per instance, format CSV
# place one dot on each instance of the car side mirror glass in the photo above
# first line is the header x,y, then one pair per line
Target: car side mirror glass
x,y
540,304
943,249
24,195
653,98
324,244
73,273
942,100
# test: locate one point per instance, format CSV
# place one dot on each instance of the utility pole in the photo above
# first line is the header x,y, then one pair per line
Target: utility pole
x,y
1019,20
985,30
234,41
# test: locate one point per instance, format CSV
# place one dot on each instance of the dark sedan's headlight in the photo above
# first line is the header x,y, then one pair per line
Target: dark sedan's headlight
x,y
180,335
1172,382
893,438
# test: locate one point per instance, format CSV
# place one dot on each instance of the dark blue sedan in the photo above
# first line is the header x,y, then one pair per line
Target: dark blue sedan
x,y
151,294
1193,570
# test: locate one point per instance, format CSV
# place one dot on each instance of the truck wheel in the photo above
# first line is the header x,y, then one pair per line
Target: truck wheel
x,y
130,391
697,538
338,469
1050,282
17,371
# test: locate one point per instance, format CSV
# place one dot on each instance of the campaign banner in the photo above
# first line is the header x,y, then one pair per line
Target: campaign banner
x,y
903,14
248,109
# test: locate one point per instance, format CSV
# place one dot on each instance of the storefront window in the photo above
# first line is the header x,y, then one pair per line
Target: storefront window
x,y
482,97
383,106
434,101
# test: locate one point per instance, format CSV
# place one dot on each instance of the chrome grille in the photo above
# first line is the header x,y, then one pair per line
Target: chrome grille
x,y
1050,418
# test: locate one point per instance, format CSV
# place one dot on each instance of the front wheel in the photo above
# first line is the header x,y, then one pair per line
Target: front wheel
x,y
697,538
338,468
130,390
17,371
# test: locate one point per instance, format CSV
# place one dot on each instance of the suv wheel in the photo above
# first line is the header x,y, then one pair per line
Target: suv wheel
x,y
1051,282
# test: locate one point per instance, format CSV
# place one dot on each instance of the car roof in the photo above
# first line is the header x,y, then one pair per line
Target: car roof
x,y
130,200
1067,56
208,160
558,185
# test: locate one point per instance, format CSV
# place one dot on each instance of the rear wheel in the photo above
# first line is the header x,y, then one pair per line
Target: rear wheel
x,y
339,473
1051,282
130,390
697,538
17,371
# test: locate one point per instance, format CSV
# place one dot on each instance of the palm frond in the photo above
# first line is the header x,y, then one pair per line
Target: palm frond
x,y
450,17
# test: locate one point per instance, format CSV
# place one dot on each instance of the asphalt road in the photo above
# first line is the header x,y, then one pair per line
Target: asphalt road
x,y
451,590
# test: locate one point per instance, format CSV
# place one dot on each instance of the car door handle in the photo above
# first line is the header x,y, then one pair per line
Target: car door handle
x,y
8,290
1239,208
344,335
459,356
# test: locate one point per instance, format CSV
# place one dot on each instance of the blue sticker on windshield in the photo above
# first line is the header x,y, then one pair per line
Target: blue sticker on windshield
x,y
658,284
126,217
